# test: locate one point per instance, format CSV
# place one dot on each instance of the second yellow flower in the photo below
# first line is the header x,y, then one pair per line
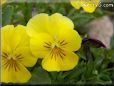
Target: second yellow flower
x,y
54,39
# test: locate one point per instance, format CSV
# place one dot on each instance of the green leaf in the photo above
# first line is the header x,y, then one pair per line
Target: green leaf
x,y
97,52
76,73
81,54
7,15
105,77
112,42
81,18
40,76
110,54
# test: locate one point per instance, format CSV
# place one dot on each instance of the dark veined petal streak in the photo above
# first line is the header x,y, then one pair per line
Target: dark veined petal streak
x,y
56,51
11,63
62,43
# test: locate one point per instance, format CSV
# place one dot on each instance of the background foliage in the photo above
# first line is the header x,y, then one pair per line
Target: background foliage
x,y
96,65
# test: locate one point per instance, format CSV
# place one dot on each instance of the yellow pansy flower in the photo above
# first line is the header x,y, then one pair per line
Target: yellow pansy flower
x,y
54,39
16,55
87,5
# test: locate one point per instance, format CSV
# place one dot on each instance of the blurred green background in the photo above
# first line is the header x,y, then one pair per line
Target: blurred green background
x,y
96,65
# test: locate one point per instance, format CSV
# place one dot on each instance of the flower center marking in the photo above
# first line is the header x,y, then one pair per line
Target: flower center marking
x,y
57,52
10,62
55,48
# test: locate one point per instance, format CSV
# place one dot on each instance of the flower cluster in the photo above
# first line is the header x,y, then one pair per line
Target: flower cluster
x,y
88,5
51,38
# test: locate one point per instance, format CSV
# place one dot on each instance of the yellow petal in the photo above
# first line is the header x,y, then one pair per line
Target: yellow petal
x,y
58,22
10,75
18,36
71,38
90,6
65,63
5,47
7,32
37,24
25,56
49,24
51,64
39,43
76,4
13,36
